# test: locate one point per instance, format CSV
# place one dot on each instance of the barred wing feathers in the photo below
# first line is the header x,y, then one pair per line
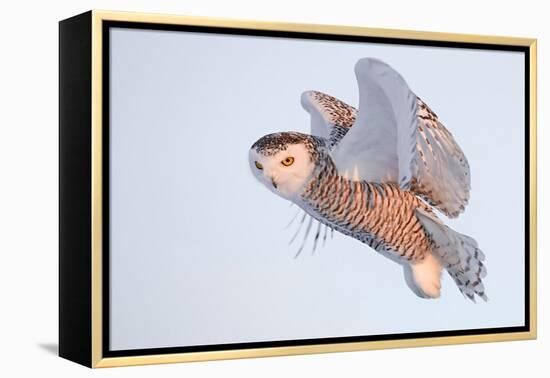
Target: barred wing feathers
x,y
331,118
397,138
443,175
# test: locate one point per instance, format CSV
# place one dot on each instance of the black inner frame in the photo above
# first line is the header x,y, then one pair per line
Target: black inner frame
x,y
106,25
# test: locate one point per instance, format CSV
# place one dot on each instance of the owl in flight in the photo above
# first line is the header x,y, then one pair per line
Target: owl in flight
x,y
376,174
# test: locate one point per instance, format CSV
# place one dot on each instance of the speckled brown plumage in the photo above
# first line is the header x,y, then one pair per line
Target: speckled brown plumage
x,y
379,215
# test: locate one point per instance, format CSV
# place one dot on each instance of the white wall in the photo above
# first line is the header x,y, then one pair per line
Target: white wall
x,y
28,189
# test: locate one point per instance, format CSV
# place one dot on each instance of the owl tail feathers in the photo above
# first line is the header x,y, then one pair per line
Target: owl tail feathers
x,y
458,253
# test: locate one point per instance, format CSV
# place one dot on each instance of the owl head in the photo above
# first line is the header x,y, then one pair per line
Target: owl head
x,y
285,161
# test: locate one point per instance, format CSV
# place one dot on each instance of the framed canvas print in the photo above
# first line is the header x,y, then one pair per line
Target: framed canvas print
x,y
238,189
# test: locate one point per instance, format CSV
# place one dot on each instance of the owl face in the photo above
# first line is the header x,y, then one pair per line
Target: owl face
x,y
282,162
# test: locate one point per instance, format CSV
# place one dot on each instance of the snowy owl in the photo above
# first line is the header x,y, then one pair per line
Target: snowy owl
x,y
376,174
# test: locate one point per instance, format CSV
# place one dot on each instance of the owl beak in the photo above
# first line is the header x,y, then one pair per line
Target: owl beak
x,y
273,183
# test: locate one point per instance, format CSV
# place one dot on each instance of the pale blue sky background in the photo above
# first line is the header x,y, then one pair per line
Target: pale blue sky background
x,y
199,253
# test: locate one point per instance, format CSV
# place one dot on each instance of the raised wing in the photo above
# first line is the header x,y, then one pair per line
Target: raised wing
x,y
443,173
330,117
397,138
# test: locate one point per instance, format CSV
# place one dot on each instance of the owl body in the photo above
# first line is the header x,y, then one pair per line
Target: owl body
x,y
377,214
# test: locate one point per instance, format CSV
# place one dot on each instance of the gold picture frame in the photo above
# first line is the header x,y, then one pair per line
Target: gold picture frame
x,y
82,44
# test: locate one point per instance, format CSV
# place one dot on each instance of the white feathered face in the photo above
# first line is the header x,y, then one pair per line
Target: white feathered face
x,y
282,162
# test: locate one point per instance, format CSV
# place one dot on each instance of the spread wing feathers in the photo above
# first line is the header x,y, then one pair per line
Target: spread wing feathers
x,y
459,254
443,175
397,138
330,117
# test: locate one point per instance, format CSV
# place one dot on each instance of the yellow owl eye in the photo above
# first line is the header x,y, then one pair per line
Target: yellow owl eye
x,y
258,165
287,161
